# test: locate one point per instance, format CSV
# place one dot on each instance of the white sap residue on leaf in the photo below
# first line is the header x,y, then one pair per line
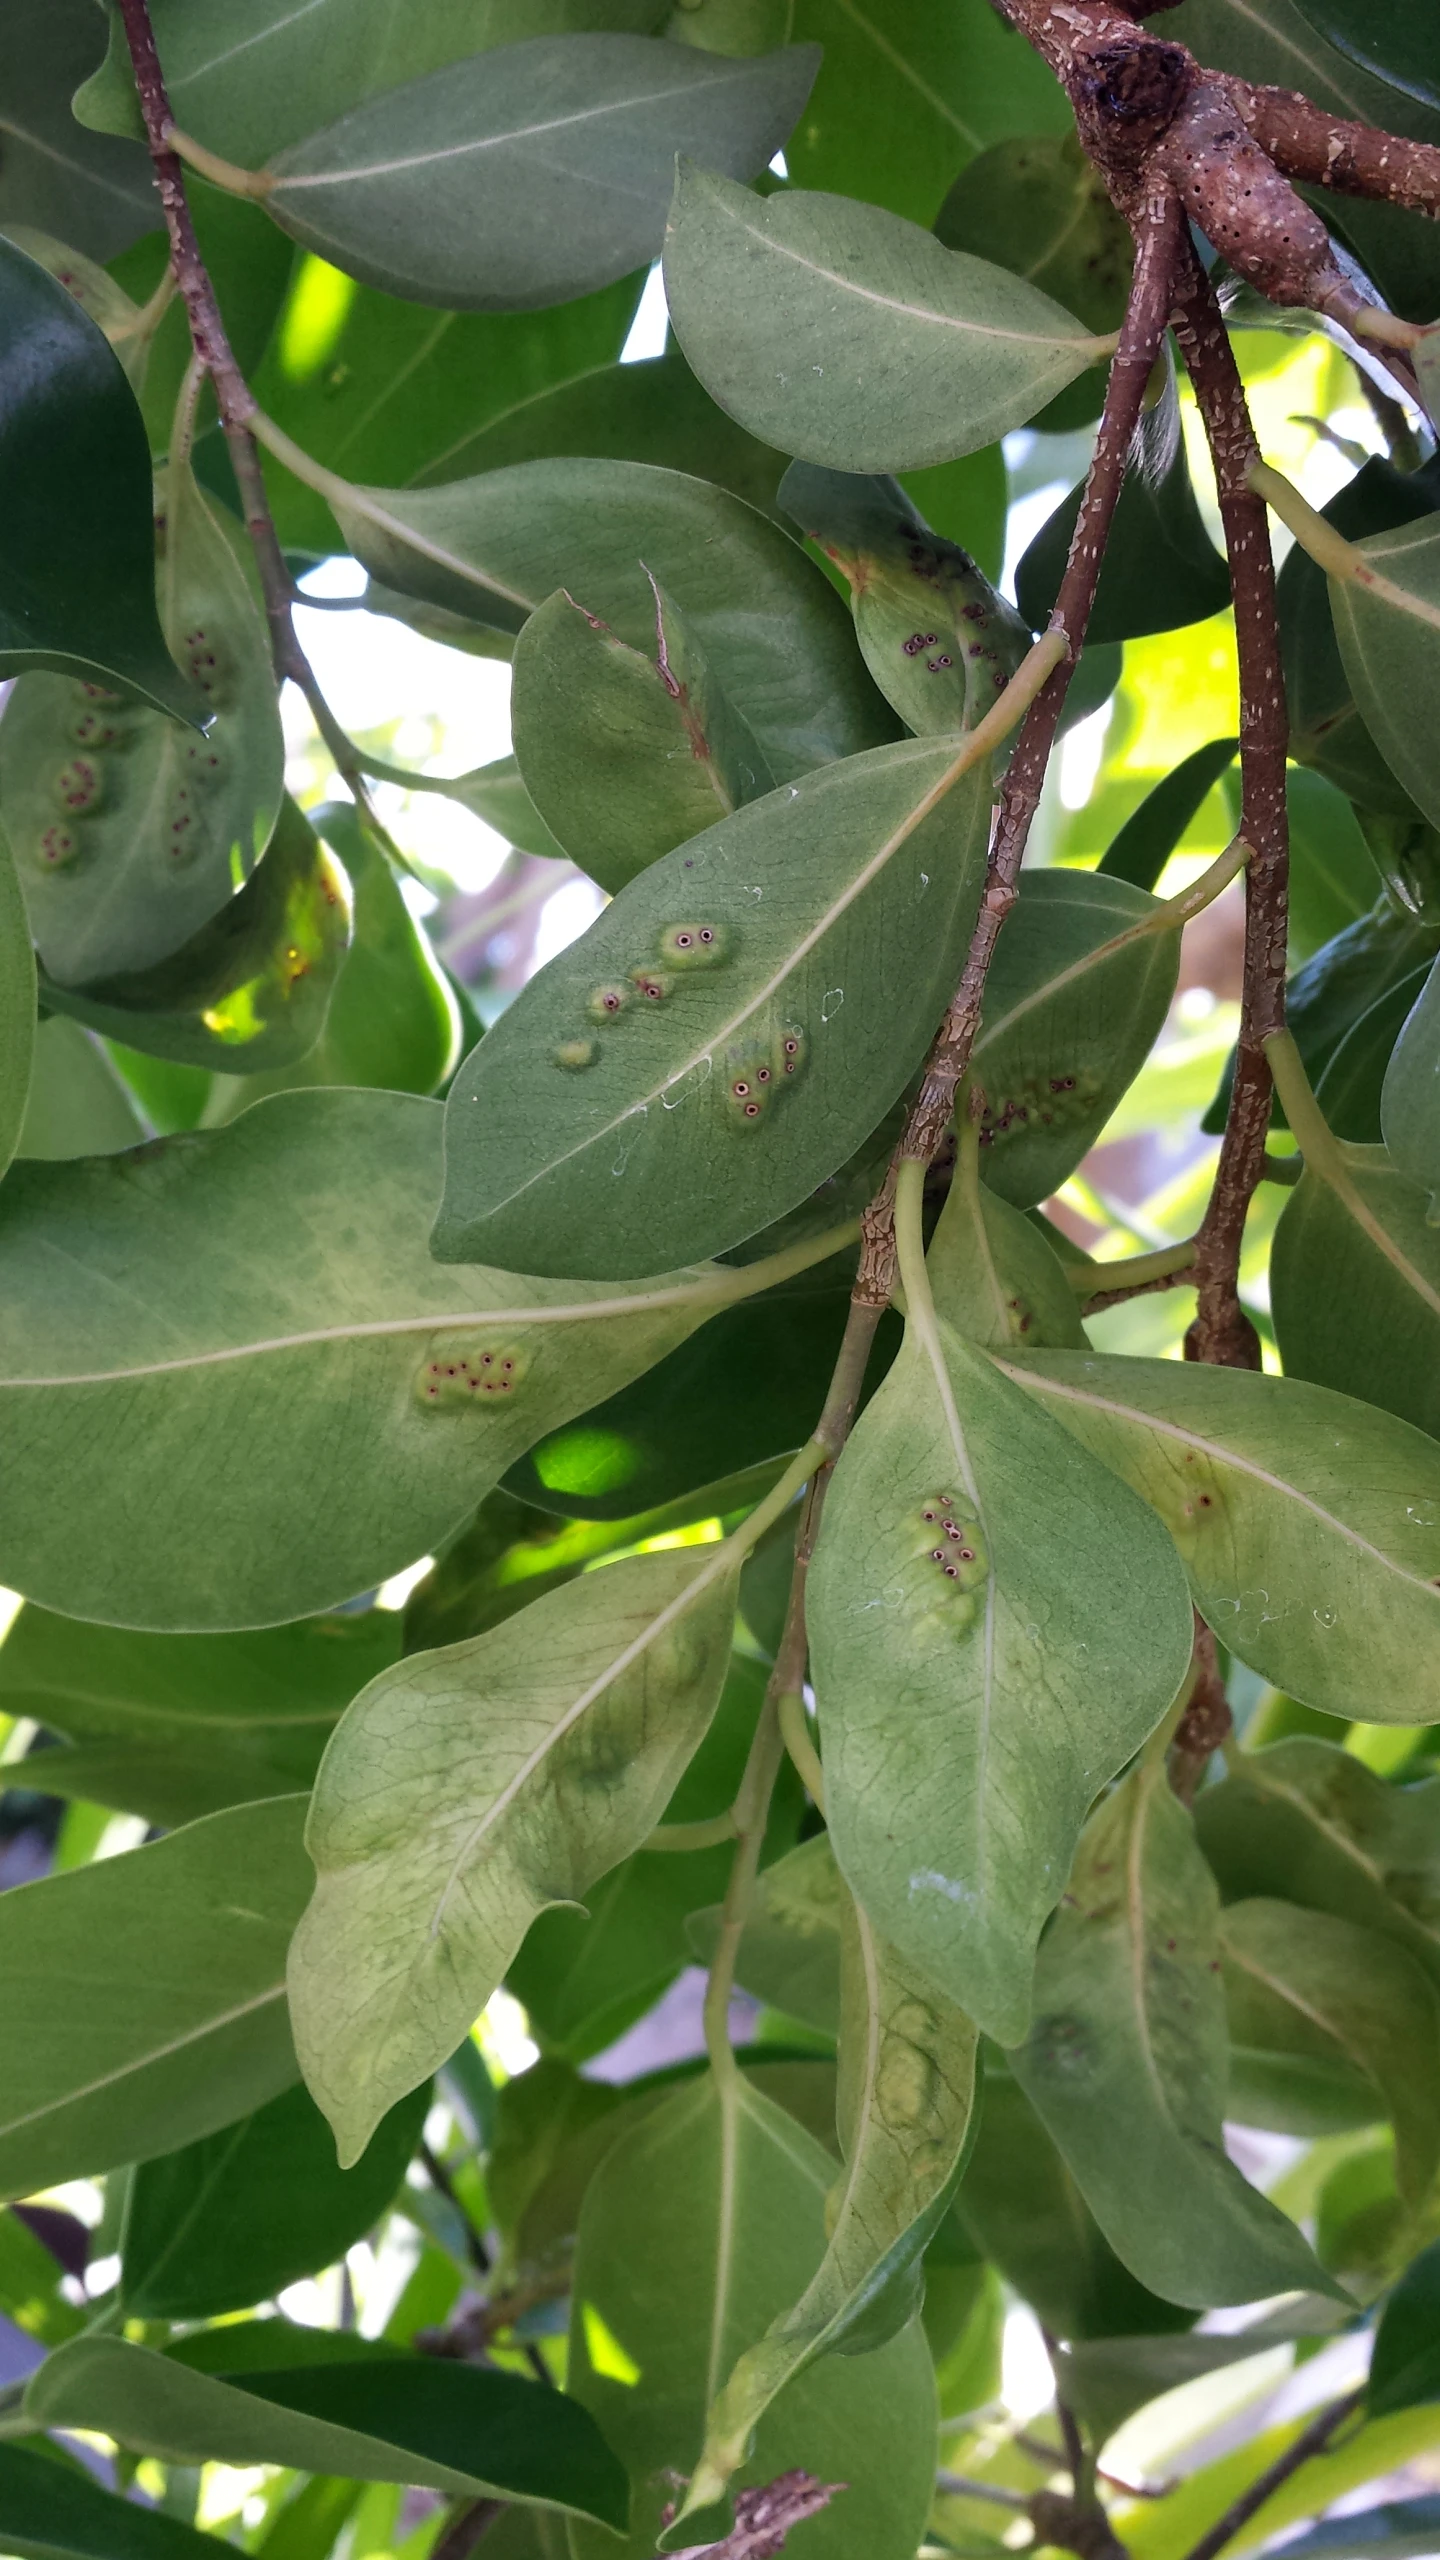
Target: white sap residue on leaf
x,y
833,999
1323,1617
682,1086
930,1880
640,1112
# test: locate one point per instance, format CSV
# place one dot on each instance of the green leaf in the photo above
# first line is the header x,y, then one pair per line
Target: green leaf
x,y
143,2000
906,2107
17,1007
728,1087
771,626
132,1289
1355,1287
1389,636
252,988
1309,1525
532,173
1068,1023
1130,2030
551,2130
130,832
50,2512
626,754
853,339
496,793
1405,2367
96,192
700,2227
249,264
1346,1005
995,1278
79,1104
1410,1102
467,1790
789,1952
1308,1821
1327,730
1107,2379
77,577
233,2219
994,1630
1385,39
902,578
328,2401
173,1727
1145,843
1304,1982
299,71
1284,47
1333,879
97,291
1161,569
1039,205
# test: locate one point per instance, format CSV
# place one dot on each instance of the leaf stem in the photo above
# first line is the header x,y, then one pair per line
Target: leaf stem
x,y
221,173
1136,1271
752,1808
795,1734
684,1836
1329,549
1328,1158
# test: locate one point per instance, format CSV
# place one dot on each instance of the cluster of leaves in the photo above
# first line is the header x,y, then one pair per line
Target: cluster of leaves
x,y
291,1294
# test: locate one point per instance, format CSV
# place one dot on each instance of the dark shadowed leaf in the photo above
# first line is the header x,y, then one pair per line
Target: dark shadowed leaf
x,y
1405,2367
95,192
1386,39
1161,568
17,1007
1145,843
49,2511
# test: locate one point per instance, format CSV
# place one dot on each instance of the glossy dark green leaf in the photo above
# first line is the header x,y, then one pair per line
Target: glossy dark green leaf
x,y
1333,878
1161,569
532,173
670,2286
320,2400
1284,45
367,1429
172,1727
852,339
252,989
1068,1022
95,192
1410,1102
903,578
736,1073
131,831
1327,730
1130,2029
17,1007
1309,1525
144,1998
1388,630
1355,1288
1304,1982
1039,205
1309,1822
1405,2367
233,2219
772,627
1345,1008
1351,1088
77,564
1386,39
626,753
50,2512
1145,843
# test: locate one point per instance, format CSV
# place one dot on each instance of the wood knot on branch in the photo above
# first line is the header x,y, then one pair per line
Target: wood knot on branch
x,y
1068,2526
1127,94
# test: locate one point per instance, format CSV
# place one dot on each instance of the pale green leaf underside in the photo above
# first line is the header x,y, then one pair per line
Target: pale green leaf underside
x,y
1410,1102
17,1007
1390,643
1355,1288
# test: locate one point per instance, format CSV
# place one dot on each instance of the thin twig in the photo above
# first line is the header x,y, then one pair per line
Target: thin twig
x,y
475,2249
467,2529
1312,2440
954,2484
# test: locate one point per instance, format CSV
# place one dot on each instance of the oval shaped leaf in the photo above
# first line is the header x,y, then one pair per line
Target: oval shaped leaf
x,y
1037,203
144,1998
17,1006
1410,1101
1309,1525
327,2401
1405,2367
848,337
651,1085
469,1789
533,173
129,830
360,1393
1130,2030
994,1631
1355,1287
1388,627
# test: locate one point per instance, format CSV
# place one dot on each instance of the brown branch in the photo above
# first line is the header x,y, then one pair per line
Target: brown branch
x,y
765,2518
1311,2440
1206,1722
1222,1332
1329,151
467,2529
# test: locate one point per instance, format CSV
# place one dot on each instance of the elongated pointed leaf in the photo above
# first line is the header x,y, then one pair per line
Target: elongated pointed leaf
x,y
994,1631
906,2104
994,1277
360,1393
467,1790
1067,1024
143,1999
1145,843
626,754
789,1953
328,2402
530,174
50,2512
903,580
850,338
1304,1820
131,831
720,1080
1305,1981
1389,638
702,2224
772,628
1410,1102
1405,2368
17,1006
1130,2031
1309,1525
77,579
1355,1288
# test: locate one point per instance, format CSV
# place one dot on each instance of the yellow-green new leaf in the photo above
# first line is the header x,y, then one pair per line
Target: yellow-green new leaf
x,y
1126,2060
466,1791
851,338
994,1631
1309,1525
906,2106
1355,1287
